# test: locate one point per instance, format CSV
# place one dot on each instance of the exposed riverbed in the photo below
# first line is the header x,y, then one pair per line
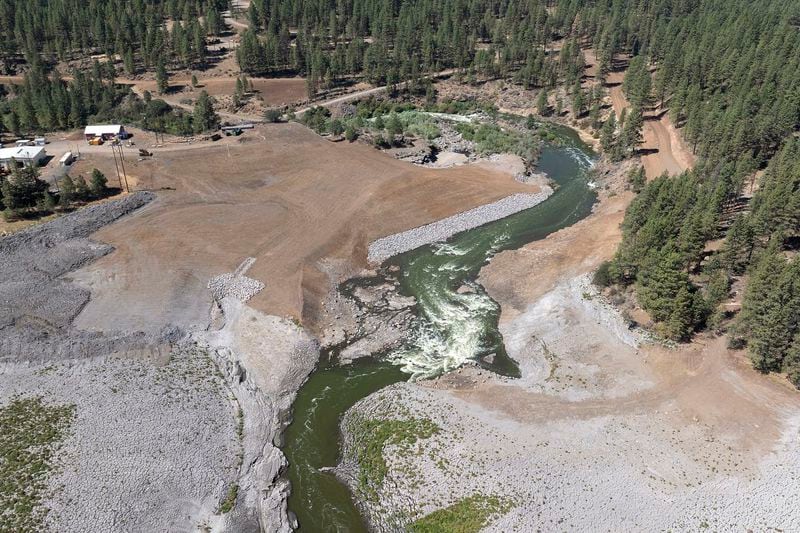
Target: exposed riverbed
x,y
455,322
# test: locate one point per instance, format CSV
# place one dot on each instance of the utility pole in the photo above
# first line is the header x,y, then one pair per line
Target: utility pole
x,y
119,176
122,164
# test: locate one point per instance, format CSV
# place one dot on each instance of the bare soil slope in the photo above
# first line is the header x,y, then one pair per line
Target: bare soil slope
x,y
284,196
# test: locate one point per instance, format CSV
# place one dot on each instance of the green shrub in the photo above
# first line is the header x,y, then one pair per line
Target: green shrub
x,y
30,431
373,435
468,515
272,115
602,276
229,502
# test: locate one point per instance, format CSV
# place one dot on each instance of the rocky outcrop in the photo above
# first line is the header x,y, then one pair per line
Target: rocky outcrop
x,y
265,359
368,316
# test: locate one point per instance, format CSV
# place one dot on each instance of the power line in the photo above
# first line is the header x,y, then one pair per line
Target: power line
x,y
122,165
119,177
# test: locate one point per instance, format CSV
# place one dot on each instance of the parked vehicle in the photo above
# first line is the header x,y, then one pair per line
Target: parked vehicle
x,y
66,159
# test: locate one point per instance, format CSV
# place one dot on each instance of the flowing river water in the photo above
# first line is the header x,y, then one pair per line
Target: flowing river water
x,y
452,326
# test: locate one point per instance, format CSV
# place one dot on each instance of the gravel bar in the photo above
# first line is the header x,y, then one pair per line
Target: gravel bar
x,y
386,247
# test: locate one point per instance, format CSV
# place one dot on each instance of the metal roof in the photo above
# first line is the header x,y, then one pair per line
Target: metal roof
x,y
21,152
103,129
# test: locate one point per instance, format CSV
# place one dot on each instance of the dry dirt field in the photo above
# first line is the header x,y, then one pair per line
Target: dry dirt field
x,y
280,194
274,91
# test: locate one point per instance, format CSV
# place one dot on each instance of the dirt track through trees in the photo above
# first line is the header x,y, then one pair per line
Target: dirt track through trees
x,y
663,149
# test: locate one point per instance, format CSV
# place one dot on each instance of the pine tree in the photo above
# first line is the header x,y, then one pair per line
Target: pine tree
x,y
739,245
681,320
204,117
66,191
608,133
637,179
23,189
541,103
660,282
98,184
760,308
631,136
82,191
578,99
162,81
130,66
791,362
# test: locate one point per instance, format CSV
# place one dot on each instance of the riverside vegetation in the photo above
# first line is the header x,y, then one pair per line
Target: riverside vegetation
x,y
465,516
372,435
30,431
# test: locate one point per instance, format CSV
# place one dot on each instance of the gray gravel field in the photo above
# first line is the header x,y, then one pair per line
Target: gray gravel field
x,y
38,302
153,446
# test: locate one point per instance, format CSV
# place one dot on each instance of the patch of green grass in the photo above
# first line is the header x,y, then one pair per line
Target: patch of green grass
x,y
468,515
30,431
230,499
492,139
373,435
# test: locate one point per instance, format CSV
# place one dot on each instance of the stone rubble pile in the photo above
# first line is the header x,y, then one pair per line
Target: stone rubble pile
x,y
441,230
239,287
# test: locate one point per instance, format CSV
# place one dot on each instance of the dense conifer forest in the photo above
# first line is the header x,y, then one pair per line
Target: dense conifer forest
x,y
726,71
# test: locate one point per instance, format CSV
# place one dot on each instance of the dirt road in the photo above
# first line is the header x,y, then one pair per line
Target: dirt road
x,y
367,92
663,149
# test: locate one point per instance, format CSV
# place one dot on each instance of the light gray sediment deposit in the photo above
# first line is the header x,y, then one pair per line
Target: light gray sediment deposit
x,y
38,303
153,446
174,430
264,360
441,230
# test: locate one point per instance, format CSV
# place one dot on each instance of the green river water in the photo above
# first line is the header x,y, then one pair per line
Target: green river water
x,y
451,327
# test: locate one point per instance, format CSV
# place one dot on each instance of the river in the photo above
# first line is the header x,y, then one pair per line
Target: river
x,y
456,321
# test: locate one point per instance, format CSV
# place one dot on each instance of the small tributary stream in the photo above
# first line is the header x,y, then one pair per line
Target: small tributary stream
x,y
455,321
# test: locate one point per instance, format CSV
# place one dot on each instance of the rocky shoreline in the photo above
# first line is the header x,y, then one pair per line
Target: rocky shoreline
x,y
264,359
441,230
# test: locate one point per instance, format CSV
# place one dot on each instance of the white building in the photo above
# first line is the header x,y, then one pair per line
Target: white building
x,y
22,155
105,131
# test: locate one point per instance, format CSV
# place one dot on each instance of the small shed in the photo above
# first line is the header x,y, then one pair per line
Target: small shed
x,y
106,132
22,155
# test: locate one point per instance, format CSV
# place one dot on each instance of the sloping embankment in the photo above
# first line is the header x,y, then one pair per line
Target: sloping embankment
x,y
398,243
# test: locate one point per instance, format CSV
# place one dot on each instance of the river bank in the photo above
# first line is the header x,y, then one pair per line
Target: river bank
x,y
441,230
453,323
602,431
